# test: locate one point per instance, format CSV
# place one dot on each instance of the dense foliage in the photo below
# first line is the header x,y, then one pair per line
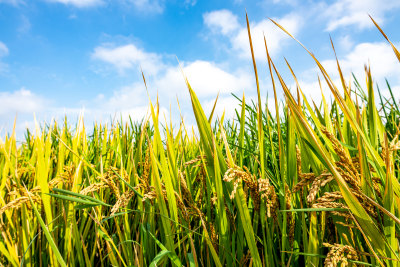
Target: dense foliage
x,y
310,185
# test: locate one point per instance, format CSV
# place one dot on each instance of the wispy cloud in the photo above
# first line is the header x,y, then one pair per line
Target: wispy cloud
x,y
224,22
3,52
127,57
12,2
147,6
346,42
3,49
342,13
25,25
190,3
288,2
79,3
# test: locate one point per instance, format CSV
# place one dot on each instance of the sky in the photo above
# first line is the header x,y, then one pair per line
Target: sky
x,y
72,57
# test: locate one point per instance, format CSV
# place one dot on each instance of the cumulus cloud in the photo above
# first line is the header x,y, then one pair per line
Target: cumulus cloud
x,y
275,37
79,3
20,101
379,56
341,13
206,78
224,22
126,97
127,57
130,101
167,84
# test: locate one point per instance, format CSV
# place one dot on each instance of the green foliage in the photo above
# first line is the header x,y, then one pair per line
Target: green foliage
x,y
310,185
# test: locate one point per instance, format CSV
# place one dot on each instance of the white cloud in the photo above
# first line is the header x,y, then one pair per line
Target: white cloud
x,y
3,67
127,97
189,3
275,37
226,104
229,104
3,49
136,113
288,2
129,101
226,23
379,55
79,3
206,78
346,42
20,101
148,6
3,52
12,2
223,21
128,56
25,25
312,90
343,13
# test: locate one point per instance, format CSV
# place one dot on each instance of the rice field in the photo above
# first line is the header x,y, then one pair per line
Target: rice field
x,y
312,185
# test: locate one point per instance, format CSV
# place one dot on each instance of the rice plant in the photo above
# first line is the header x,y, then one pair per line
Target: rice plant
x,y
313,185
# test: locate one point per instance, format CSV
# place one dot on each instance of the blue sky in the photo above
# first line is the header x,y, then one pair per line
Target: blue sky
x,y
59,57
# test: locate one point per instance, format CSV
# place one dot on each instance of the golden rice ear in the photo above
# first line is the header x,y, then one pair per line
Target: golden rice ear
x,y
340,254
261,190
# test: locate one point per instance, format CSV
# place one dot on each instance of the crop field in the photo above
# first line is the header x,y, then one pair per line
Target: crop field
x,y
312,184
